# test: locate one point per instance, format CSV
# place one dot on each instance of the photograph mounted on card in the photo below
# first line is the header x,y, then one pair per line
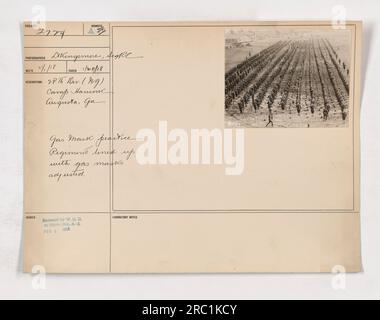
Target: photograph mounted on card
x,y
192,147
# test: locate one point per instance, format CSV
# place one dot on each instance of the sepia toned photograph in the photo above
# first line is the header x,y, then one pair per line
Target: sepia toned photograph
x,y
286,77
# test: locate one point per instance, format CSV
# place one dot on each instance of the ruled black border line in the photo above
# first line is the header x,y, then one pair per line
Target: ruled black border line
x,y
110,115
59,36
169,212
110,97
116,211
52,47
70,60
42,73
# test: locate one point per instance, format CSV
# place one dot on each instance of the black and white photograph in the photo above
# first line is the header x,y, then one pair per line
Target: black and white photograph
x,y
287,77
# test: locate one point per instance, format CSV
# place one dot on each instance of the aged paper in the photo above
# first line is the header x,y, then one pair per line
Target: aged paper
x,y
192,147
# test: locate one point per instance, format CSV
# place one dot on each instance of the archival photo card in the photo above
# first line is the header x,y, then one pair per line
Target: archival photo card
x,y
192,147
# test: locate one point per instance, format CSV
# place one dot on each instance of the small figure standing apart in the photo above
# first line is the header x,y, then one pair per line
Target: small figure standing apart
x,y
270,118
